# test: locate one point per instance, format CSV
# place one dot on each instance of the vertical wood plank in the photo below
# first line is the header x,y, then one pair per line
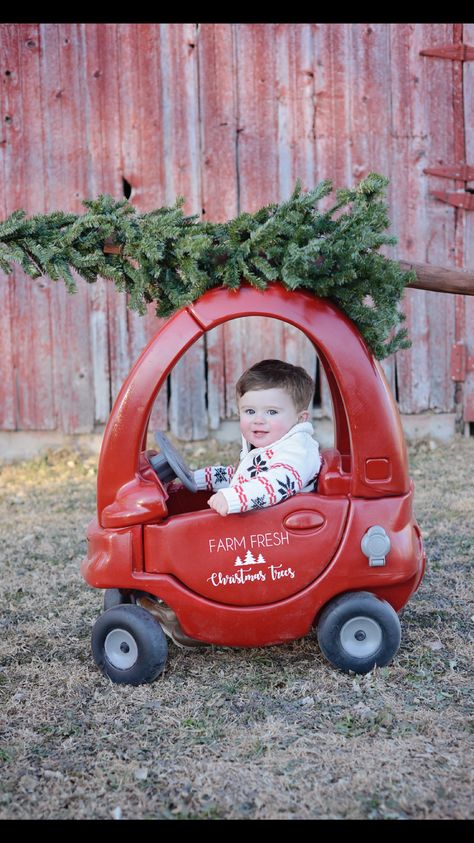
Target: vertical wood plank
x,y
332,87
7,366
10,72
144,152
406,205
73,380
32,299
125,105
422,136
295,107
332,63
218,117
468,90
187,409
141,165
249,340
370,95
257,142
98,78
296,146
369,148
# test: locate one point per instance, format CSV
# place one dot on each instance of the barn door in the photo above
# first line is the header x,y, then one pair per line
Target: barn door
x,y
458,177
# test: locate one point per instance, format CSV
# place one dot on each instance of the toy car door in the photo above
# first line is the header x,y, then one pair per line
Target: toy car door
x,y
251,558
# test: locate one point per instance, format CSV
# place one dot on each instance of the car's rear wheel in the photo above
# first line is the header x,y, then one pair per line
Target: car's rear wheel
x,y
358,631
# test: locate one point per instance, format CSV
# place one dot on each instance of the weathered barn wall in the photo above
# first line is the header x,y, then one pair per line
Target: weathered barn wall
x,y
229,116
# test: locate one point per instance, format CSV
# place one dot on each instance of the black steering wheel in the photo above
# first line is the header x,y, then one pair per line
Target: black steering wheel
x,y
169,464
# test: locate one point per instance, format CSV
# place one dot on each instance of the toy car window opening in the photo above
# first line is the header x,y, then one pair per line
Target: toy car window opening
x,y
332,478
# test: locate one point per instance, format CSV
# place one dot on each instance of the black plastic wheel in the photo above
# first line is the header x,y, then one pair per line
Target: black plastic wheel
x,y
129,645
358,631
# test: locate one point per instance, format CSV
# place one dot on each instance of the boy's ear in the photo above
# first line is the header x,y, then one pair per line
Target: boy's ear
x,y
303,416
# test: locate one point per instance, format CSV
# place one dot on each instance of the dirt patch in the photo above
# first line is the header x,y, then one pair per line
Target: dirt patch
x,y
246,734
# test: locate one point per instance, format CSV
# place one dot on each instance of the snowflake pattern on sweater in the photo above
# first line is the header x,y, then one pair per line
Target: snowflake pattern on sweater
x,y
266,476
258,503
221,474
286,488
258,465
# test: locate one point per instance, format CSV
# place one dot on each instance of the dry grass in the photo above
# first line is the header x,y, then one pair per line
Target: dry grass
x,y
264,733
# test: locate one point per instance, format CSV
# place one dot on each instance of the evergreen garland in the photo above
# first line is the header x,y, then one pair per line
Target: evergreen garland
x,y
171,259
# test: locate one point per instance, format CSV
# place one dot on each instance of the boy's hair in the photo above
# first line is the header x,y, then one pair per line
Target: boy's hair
x,y
276,374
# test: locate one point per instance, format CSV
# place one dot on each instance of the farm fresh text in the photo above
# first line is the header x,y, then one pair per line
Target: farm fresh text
x,y
254,541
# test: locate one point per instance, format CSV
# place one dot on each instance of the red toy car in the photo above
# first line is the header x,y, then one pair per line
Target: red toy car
x,y
344,559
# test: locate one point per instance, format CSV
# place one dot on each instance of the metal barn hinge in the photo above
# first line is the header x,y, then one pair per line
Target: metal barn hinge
x,y
462,199
460,172
454,52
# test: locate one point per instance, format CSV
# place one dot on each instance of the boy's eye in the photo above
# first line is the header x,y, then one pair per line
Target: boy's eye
x,y
249,412
272,412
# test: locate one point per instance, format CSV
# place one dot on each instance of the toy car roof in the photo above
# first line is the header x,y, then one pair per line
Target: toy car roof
x,y
367,427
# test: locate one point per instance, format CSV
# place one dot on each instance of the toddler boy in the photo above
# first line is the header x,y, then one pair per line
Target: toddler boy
x,y
279,456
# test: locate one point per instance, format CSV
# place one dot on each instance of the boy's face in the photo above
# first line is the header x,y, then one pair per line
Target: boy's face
x,y
267,414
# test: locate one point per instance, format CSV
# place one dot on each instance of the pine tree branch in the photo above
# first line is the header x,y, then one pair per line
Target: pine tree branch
x,y
168,258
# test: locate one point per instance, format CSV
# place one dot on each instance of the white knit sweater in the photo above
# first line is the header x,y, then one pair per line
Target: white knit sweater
x,y
268,475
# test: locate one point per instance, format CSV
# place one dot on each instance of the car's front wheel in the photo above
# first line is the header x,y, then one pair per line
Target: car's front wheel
x,y
358,631
116,597
129,645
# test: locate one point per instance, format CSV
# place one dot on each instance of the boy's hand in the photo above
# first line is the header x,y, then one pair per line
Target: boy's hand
x,y
219,503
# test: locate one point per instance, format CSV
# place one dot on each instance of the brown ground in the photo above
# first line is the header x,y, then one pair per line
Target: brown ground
x,y
264,733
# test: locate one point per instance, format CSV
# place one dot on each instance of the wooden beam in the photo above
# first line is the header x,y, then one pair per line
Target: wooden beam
x,y
441,279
